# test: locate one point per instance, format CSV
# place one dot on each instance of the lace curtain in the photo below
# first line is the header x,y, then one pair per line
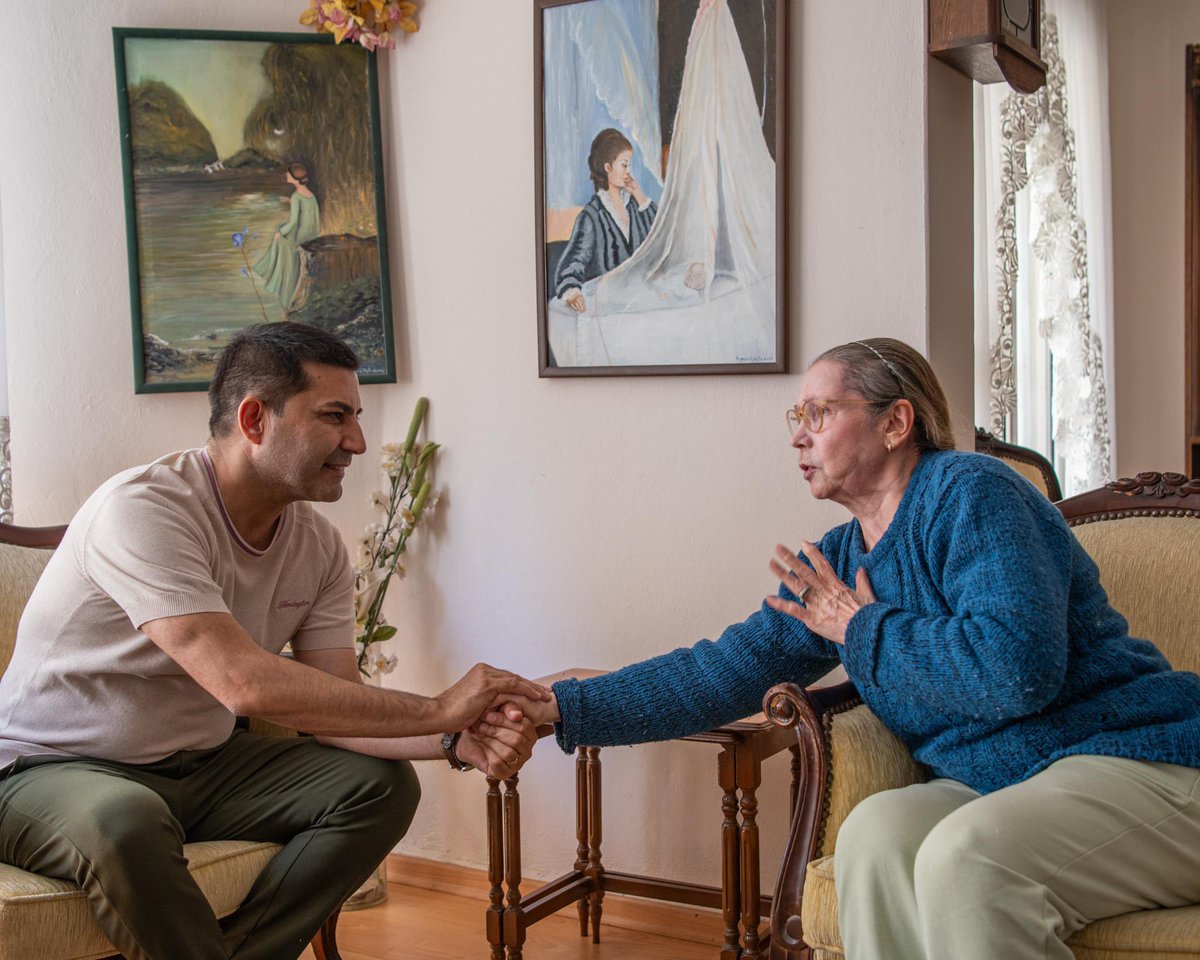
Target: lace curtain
x,y
1044,252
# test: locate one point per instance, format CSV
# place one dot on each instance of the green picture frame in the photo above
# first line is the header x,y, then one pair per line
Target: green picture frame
x,y
254,191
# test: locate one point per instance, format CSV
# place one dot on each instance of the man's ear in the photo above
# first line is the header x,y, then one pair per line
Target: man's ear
x,y
251,415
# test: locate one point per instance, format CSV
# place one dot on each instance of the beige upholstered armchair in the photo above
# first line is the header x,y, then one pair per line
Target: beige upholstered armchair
x,y
1144,533
45,919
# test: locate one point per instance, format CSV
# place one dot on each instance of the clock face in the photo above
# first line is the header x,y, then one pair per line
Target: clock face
x,y
1018,19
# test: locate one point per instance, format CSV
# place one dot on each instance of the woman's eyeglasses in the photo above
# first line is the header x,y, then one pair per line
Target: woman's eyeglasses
x,y
812,414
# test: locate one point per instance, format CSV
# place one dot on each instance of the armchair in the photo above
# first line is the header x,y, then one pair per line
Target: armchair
x,y
1028,463
46,919
1143,532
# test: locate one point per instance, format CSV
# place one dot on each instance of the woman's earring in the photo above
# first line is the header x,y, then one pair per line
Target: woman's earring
x,y
889,446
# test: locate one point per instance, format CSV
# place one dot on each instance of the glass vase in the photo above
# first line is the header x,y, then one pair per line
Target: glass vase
x,y
373,892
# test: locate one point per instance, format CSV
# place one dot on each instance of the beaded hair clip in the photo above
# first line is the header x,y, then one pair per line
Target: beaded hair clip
x,y
884,360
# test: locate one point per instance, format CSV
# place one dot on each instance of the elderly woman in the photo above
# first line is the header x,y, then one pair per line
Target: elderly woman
x,y
976,628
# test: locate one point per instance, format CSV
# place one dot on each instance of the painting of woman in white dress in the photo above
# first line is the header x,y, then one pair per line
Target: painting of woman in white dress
x,y
664,259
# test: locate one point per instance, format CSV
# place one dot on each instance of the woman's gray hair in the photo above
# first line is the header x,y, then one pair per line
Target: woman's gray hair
x,y
883,370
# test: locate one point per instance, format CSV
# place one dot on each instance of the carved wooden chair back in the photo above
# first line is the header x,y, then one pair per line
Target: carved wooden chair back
x,y
1028,463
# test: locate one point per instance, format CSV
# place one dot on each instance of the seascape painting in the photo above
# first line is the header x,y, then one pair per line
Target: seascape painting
x,y
660,175
254,192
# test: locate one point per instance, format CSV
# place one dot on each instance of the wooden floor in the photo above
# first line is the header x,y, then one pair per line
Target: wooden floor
x,y
418,924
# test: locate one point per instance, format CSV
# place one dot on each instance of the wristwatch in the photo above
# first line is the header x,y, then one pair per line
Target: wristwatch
x,y
449,748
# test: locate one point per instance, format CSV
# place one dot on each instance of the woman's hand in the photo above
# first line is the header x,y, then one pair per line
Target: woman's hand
x,y
573,298
632,186
826,604
499,743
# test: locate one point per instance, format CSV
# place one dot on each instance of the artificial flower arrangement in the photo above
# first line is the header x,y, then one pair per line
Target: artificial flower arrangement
x,y
408,498
366,22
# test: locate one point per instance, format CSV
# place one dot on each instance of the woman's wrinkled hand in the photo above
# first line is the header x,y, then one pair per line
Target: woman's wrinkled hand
x,y
825,605
499,743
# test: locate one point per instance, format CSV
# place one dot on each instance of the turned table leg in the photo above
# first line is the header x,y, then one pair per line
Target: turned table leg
x,y
750,879
514,917
495,911
581,831
730,855
595,869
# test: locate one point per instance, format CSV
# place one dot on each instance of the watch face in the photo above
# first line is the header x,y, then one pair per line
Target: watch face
x,y
1017,19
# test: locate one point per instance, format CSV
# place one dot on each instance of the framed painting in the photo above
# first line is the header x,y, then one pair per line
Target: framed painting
x,y
253,193
660,154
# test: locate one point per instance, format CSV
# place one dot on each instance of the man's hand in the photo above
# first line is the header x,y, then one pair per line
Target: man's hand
x,y
498,744
482,688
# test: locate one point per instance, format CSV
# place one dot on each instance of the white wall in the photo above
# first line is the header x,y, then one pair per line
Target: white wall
x,y
1146,77
584,521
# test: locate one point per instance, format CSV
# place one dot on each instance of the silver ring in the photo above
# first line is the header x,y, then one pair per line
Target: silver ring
x,y
803,594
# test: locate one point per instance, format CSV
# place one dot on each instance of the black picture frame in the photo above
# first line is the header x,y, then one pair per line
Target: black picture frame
x,y
762,33
211,249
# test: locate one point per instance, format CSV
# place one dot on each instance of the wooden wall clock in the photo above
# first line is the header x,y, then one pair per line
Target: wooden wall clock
x,y
990,40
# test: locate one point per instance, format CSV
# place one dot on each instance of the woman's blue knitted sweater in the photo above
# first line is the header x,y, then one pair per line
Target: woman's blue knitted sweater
x,y
992,650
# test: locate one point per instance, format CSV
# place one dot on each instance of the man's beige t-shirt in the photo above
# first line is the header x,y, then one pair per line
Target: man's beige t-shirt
x,y
153,542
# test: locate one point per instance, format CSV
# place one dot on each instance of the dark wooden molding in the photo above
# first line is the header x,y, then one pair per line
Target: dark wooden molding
x,y
1191,326
994,447
46,537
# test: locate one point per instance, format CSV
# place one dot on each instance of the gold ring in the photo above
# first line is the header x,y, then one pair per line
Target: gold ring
x,y
511,763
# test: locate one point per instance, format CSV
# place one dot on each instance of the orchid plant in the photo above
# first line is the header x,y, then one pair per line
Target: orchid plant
x,y
407,499
367,22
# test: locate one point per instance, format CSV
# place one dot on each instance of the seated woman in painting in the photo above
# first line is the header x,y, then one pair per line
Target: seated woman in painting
x,y
610,226
280,265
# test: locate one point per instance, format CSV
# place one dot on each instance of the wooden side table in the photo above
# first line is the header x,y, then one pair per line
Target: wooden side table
x,y
744,745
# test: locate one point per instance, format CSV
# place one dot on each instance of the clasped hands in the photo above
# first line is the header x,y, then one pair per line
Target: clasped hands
x,y
498,713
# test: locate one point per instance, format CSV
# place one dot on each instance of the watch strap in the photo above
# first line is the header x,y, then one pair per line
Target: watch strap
x,y
450,749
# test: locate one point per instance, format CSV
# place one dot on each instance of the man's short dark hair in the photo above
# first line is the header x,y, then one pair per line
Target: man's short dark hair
x,y
267,360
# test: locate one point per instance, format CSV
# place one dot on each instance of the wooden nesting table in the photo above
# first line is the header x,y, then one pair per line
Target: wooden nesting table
x,y
743,746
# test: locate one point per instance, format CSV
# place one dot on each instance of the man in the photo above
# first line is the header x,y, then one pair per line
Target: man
x,y
160,618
